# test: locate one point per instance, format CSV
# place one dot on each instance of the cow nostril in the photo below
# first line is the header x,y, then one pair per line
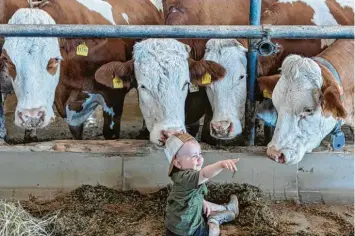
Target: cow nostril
x,y
230,127
41,115
282,158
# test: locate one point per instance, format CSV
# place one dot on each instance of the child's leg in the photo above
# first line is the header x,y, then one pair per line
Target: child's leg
x,y
233,205
216,207
213,229
217,218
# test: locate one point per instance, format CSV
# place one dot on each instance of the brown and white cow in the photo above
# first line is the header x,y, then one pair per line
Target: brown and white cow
x,y
309,100
168,70
47,70
227,96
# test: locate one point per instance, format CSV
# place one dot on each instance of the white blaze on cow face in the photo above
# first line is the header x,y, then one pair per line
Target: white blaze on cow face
x,y
227,96
35,82
301,125
162,73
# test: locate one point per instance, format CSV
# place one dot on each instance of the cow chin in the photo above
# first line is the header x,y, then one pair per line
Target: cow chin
x,y
160,133
230,131
285,155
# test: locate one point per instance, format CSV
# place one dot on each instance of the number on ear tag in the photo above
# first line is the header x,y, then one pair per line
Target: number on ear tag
x,y
82,50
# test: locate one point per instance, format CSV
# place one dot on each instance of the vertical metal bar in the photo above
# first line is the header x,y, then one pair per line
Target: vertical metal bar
x,y
2,119
254,19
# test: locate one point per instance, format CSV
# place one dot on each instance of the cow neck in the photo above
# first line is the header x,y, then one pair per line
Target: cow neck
x,y
335,74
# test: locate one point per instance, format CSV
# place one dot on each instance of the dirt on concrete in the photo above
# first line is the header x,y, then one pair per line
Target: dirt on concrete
x,y
97,210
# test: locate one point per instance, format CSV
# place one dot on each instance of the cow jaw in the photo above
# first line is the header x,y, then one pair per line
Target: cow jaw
x,y
227,96
162,73
300,125
34,84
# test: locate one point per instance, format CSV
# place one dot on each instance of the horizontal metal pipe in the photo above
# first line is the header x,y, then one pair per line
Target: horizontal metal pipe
x,y
177,31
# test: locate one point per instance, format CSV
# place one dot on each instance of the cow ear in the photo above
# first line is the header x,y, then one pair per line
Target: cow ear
x,y
205,72
116,75
267,84
331,97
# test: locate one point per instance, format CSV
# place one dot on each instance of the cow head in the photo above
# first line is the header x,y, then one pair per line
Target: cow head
x,y
164,73
33,65
307,100
227,96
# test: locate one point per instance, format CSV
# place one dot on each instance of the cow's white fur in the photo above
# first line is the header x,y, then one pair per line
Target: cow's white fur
x,y
162,72
299,88
228,96
102,7
33,85
158,4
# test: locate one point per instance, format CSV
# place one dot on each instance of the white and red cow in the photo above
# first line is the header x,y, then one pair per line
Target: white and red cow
x,y
228,96
61,71
311,96
168,70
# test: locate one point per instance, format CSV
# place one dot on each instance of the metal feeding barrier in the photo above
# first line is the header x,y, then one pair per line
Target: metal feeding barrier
x,y
259,40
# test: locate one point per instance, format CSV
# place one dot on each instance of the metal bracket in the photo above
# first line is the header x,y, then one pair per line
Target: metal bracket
x,y
264,46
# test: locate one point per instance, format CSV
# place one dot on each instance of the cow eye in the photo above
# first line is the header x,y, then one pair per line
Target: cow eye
x,y
307,112
242,77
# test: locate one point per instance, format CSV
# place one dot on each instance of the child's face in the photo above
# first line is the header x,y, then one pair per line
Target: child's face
x,y
189,157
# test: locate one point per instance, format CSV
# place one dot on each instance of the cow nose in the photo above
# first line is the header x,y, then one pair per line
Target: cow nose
x,y
31,118
275,155
221,129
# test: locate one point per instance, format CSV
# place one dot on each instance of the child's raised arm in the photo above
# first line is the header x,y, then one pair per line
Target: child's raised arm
x,y
211,171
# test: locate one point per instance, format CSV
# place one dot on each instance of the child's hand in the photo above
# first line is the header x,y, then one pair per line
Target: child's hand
x,y
230,164
206,208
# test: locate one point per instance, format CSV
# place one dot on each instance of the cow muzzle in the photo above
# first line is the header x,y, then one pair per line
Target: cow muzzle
x,y
165,134
276,155
31,118
221,129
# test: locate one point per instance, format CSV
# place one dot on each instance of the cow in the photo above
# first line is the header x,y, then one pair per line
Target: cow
x,y
171,74
312,97
47,71
228,96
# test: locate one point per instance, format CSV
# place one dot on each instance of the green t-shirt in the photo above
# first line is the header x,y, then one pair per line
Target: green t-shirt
x,y
185,203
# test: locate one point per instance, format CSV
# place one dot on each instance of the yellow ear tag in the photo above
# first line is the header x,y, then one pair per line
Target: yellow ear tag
x,y
267,94
82,50
206,79
117,83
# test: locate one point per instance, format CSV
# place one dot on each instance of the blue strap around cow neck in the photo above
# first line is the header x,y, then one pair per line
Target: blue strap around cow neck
x,y
337,137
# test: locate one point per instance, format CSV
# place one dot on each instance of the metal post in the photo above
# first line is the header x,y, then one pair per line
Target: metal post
x,y
254,19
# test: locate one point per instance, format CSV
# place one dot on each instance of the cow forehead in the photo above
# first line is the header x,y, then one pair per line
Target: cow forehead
x,y
299,84
34,49
161,61
18,47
